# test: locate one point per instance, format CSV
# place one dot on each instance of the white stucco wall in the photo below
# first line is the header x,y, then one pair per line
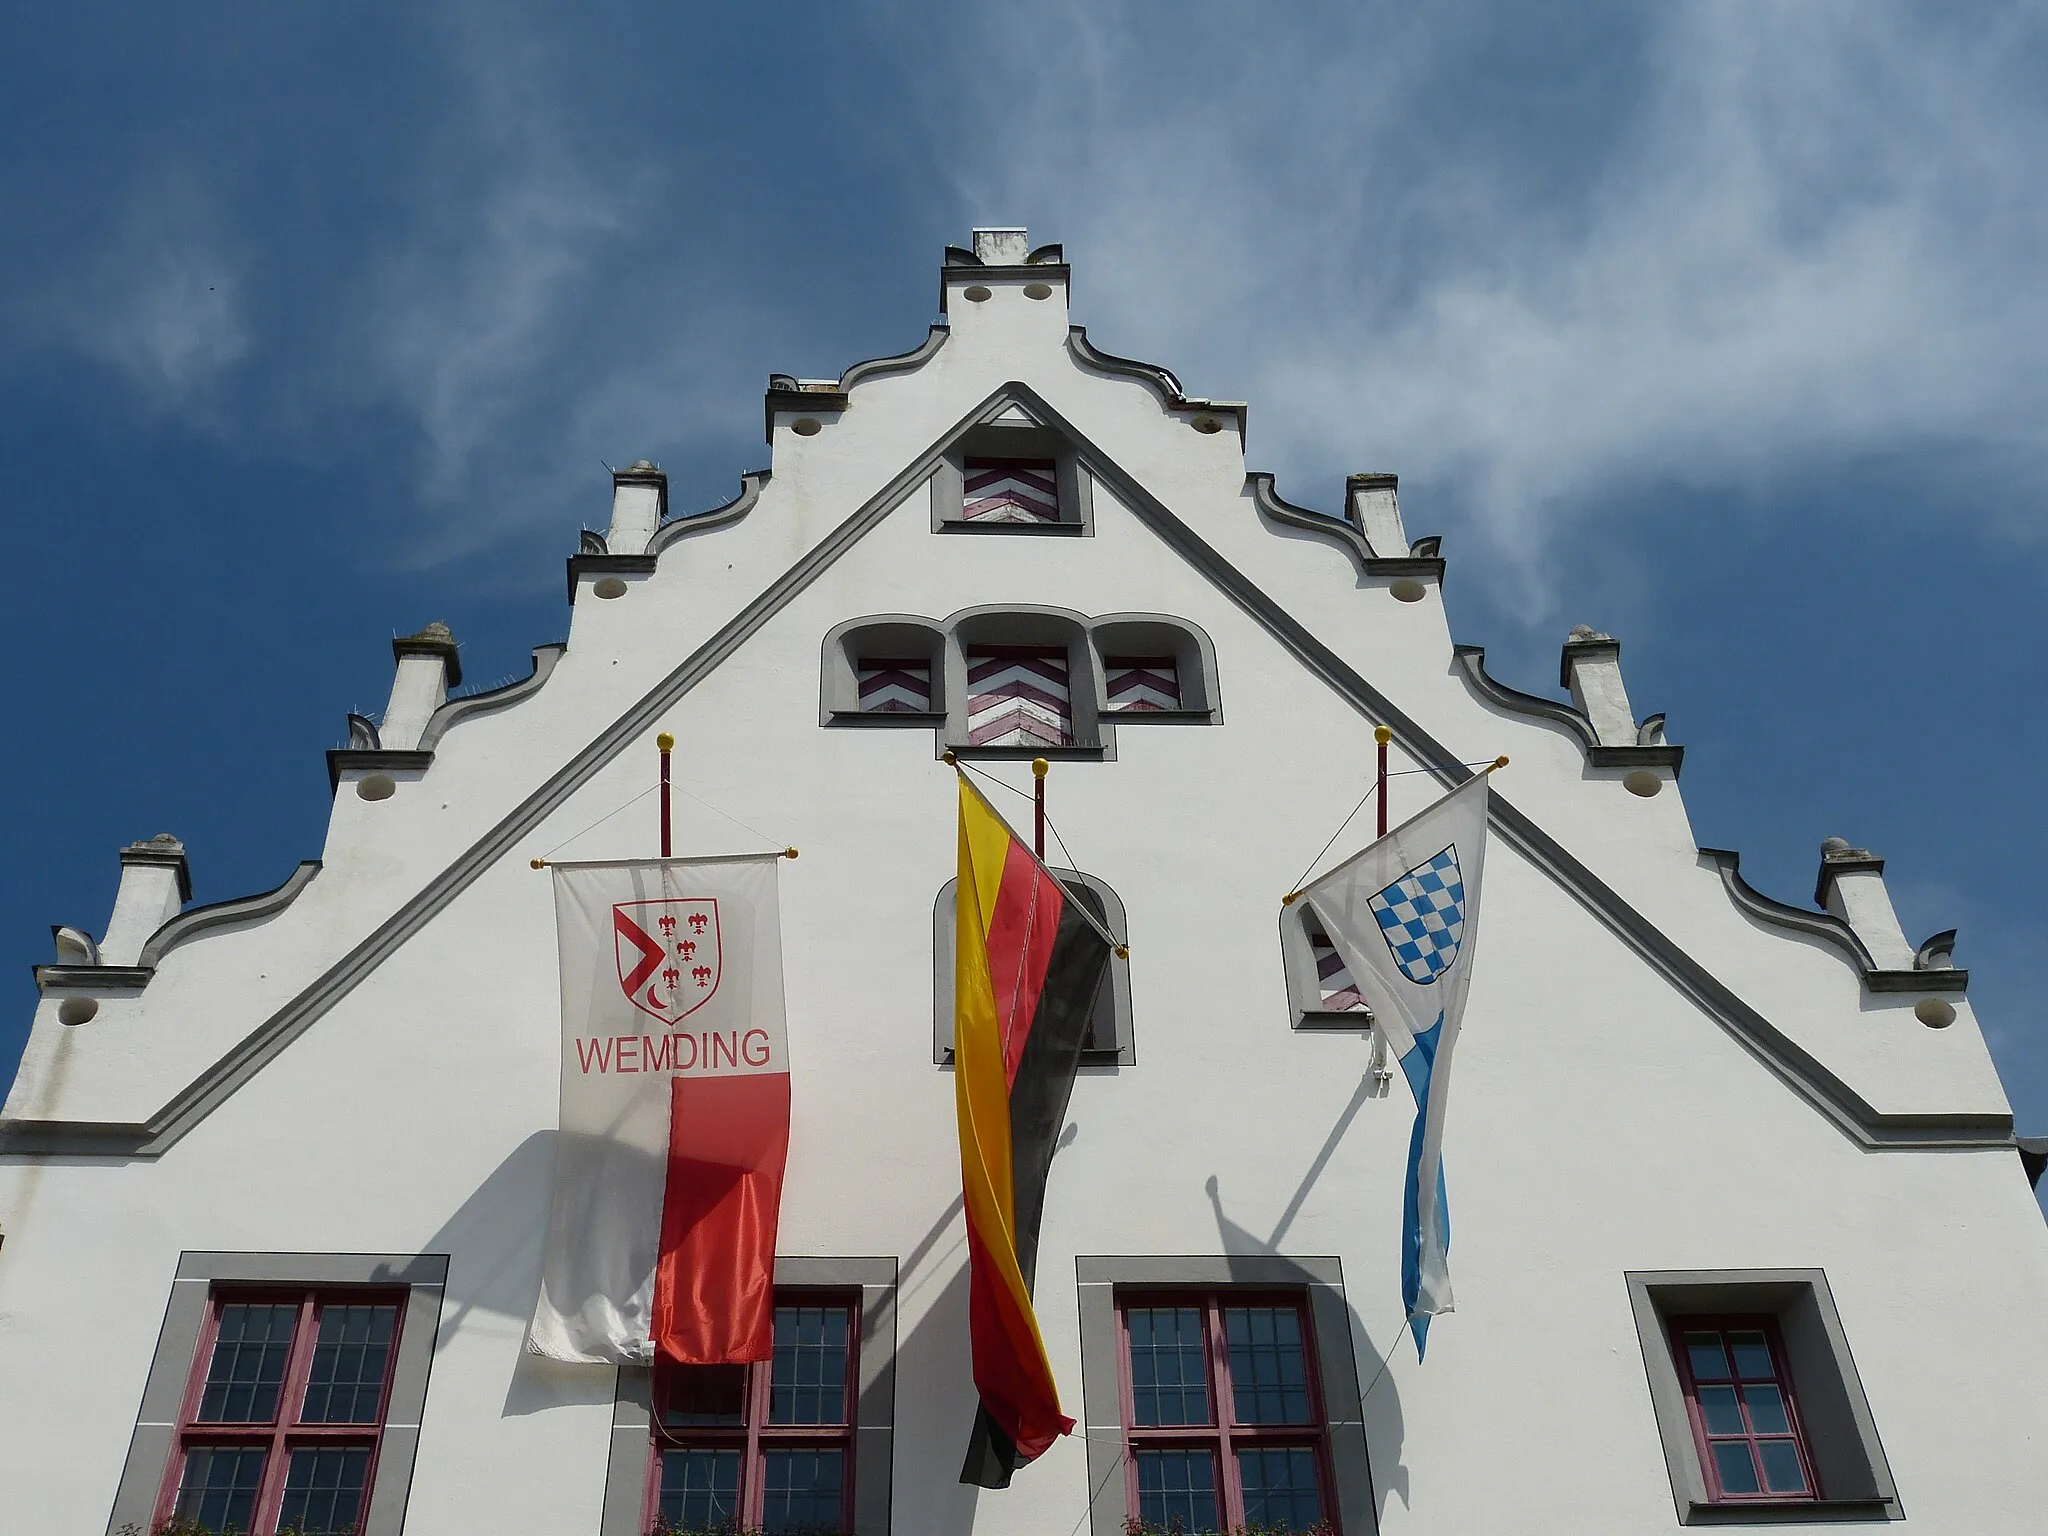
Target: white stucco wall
x,y
1602,1122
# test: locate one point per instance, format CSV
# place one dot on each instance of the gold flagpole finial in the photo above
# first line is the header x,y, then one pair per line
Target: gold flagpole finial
x,y
1499,762
1382,735
789,853
540,863
1291,898
949,759
665,742
1040,767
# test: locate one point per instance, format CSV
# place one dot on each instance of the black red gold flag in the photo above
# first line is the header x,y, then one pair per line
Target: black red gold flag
x,y
1028,962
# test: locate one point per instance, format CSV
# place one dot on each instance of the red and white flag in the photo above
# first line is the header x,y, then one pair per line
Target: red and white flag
x,y
674,1113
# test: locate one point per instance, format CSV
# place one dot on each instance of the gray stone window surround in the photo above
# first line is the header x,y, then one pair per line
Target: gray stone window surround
x,y
1112,1007
1848,1458
1320,1279
1003,440
632,1444
892,636
200,1277
1304,987
1087,643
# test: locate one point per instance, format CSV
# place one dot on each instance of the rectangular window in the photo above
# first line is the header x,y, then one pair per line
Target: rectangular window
x,y
1018,696
1223,1422
1738,1393
1139,684
282,1419
1011,491
894,685
766,1447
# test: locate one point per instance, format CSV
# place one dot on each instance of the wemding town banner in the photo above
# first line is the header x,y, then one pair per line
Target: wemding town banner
x,y
674,1113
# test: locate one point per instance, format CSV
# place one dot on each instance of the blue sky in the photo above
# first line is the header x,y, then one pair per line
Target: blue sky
x,y
1719,327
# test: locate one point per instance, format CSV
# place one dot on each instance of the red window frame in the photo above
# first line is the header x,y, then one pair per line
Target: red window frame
x,y
1781,1378
1223,1435
755,1436
283,1432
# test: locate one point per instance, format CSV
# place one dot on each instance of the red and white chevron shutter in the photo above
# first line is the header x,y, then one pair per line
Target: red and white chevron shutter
x,y
1018,697
1011,491
1333,980
1142,682
893,686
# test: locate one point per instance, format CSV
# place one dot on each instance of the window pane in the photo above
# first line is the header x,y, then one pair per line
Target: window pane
x,y
1177,1486
1011,491
1767,1414
218,1487
1720,1411
347,1381
892,686
1141,683
1169,1380
809,1381
699,1488
1018,696
247,1368
1709,1360
1738,1472
1782,1473
1268,1374
802,1490
323,1489
1752,1355
710,1396
1280,1488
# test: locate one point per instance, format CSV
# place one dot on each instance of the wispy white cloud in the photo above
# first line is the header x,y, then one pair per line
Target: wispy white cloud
x,y
153,292
1792,234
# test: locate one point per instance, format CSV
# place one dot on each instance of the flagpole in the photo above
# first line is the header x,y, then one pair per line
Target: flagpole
x,y
1039,768
1381,735
666,744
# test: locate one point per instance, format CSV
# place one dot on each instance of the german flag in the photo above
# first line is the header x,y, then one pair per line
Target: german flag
x,y
1028,962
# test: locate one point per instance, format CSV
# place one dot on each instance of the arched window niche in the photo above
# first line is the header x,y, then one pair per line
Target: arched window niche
x,y
1321,993
1017,681
1110,1042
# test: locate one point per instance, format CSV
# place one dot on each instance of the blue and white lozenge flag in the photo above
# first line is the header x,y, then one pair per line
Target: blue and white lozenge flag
x,y
1403,913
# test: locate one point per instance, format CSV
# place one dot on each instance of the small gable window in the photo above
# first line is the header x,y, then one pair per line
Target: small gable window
x,y
1010,475
1141,683
1019,696
1011,491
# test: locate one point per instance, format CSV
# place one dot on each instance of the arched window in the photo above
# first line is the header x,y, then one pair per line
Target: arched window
x,y
1109,1042
1021,680
1321,993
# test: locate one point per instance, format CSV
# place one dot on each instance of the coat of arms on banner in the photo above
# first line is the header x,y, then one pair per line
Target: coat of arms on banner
x,y
1422,917
668,953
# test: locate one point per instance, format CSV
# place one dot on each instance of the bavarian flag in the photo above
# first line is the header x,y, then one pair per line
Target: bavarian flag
x,y
1028,960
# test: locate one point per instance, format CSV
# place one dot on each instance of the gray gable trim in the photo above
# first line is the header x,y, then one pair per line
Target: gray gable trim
x,y
454,711
1804,1074
1471,663
1337,531
787,394
1161,379
677,528
219,914
1827,926
342,760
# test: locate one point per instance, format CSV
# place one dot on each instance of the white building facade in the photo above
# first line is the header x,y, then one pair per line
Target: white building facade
x,y
274,1173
